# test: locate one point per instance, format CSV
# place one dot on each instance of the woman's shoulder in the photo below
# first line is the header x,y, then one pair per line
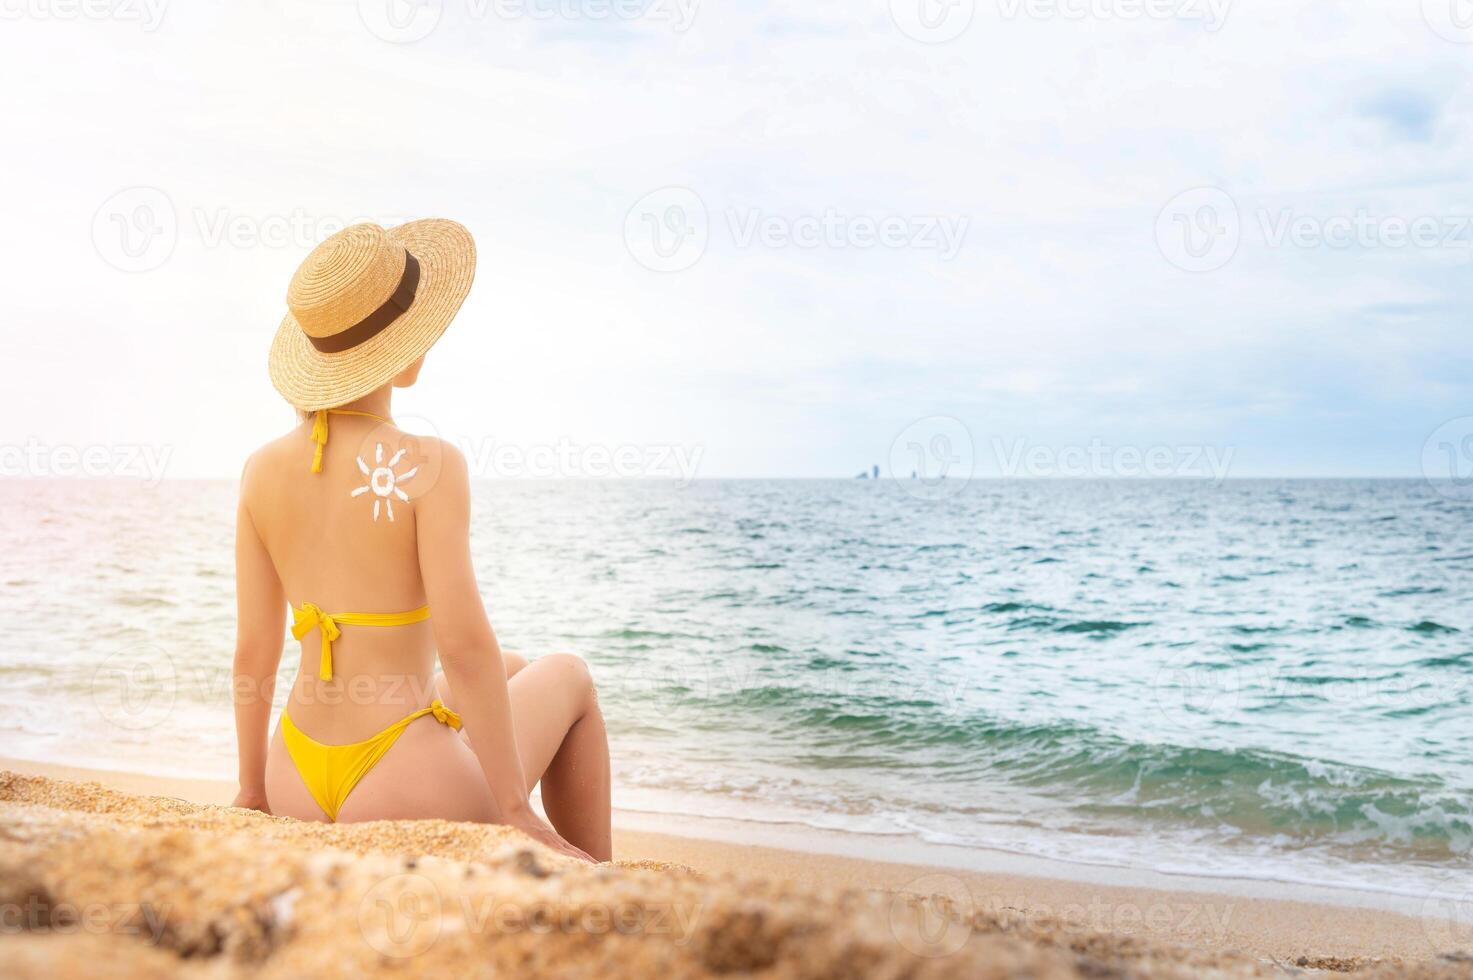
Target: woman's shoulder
x,y
277,454
429,460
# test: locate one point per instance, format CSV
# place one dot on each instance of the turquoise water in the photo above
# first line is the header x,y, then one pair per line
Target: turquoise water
x,y
1259,678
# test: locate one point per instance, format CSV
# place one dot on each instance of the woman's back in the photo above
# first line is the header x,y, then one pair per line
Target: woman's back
x,y
344,540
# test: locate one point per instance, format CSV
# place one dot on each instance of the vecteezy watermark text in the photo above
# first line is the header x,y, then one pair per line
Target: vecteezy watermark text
x,y
1201,230
403,916
668,230
567,459
147,13
37,914
1100,459
138,228
129,461
1192,691
1212,13
835,229
407,21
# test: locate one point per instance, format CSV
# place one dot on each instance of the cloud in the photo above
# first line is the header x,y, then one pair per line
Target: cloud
x,y
1408,114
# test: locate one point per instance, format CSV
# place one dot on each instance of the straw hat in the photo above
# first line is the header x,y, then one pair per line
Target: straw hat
x,y
365,305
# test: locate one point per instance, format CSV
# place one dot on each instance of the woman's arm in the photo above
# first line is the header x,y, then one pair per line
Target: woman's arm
x,y
260,632
469,653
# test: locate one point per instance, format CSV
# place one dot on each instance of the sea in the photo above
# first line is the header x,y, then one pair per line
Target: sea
x,y
1261,679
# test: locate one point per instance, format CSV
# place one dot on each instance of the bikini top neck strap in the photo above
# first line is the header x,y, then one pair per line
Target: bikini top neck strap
x,y
319,430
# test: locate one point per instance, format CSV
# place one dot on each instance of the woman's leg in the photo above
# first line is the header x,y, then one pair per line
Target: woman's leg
x,y
513,662
562,742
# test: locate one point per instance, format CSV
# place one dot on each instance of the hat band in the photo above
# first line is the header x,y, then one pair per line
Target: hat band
x,y
370,326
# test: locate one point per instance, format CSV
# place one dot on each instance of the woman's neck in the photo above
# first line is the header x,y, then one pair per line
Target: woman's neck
x,y
376,402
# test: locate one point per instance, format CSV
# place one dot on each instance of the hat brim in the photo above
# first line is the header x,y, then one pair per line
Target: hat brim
x,y
311,380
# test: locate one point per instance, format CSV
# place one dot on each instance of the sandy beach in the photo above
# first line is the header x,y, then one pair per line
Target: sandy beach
x,y
109,844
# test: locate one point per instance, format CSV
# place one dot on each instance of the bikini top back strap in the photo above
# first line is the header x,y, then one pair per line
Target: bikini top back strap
x,y
319,430
310,617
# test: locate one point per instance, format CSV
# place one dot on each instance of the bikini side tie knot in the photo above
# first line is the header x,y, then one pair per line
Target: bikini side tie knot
x,y
306,619
444,715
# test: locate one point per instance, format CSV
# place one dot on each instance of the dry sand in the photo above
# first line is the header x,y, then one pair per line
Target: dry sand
x,y
146,876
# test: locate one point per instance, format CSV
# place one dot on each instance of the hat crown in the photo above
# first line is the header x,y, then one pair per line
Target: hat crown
x,y
344,279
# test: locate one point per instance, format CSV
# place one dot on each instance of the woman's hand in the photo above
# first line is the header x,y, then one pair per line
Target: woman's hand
x,y
529,823
250,799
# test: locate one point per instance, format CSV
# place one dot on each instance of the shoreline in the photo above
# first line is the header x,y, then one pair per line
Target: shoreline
x,y
1262,918
801,837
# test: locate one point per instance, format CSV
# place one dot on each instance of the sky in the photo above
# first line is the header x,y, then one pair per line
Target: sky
x,y
752,239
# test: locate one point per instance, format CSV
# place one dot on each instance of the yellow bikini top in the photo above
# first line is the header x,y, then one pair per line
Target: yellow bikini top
x,y
310,617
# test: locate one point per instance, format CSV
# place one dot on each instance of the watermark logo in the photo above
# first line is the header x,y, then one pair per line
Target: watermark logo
x,y
933,21
1192,694
136,229
933,458
667,229
1199,230
149,14
400,916
1447,459
414,439
401,21
1447,920
1451,20
932,915
135,689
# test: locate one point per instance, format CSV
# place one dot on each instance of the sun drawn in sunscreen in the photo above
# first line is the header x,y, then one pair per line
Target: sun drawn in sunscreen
x,y
383,481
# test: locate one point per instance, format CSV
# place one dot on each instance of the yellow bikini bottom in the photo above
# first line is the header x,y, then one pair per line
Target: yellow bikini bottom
x,y
331,771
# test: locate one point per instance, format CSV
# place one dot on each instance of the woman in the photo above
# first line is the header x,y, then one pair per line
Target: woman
x,y
366,536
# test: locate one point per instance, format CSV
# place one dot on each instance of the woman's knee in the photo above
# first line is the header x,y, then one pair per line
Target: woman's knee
x,y
574,673
513,662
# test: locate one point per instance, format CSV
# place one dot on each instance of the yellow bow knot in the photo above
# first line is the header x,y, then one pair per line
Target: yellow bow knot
x,y
304,621
444,715
319,436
